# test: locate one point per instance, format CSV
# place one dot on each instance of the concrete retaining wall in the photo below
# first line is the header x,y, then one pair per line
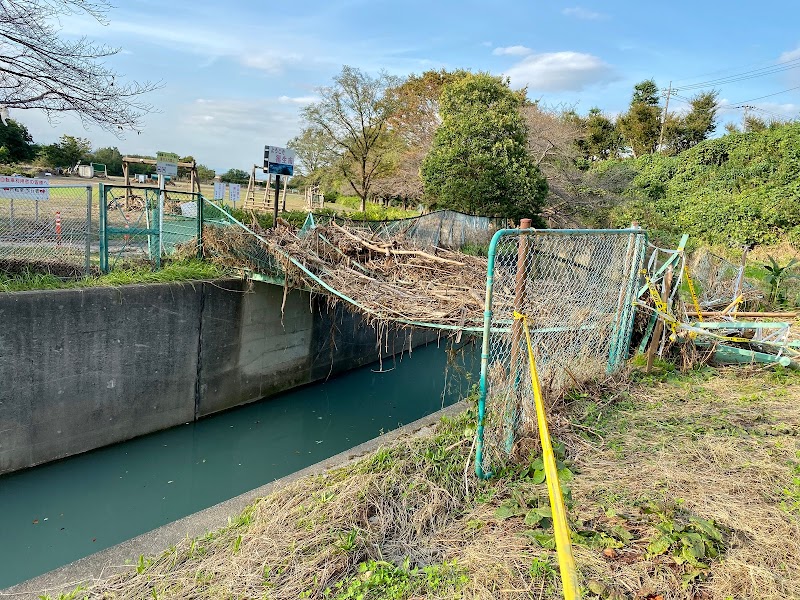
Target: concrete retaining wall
x,y
81,369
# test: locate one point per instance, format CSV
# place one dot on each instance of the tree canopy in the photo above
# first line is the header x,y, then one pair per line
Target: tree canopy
x,y
17,141
641,125
353,114
479,162
235,176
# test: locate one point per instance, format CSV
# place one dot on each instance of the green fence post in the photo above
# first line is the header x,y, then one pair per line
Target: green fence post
x,y
103,231
200,201
88,250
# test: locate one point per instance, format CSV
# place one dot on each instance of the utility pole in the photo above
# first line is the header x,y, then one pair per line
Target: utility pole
x,y
664,118
746,107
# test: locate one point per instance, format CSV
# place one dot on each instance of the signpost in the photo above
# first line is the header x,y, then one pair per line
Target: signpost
x,y
278,161
234,193
166,164
24,188
219,190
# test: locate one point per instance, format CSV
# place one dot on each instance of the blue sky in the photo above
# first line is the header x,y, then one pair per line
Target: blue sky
x,y
236,74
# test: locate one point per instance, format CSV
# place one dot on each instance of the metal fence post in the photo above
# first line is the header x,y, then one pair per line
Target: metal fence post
x,y
88,263
103,224
199,226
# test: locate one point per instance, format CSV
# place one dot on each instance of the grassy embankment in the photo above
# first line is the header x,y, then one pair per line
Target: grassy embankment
x,y
184,270
678,486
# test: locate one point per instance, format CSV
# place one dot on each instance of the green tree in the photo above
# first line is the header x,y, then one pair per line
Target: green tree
x,y
205,174
66,153
354,113
600,139
753,123
17,141
684,132
235,176
184,172
479,162
313,152
641,125
111,158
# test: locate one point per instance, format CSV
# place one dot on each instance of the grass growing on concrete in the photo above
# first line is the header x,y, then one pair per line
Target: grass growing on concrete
x,y
182,270
678,486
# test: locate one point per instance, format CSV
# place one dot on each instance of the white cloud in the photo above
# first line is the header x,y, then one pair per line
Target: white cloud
x,y
560,71
583,13
197,39
512,51
790,55
301,100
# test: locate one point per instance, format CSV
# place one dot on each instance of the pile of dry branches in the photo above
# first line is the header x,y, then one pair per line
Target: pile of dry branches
x,y
387,280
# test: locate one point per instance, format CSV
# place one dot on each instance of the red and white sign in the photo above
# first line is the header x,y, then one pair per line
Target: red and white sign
x,y
24,188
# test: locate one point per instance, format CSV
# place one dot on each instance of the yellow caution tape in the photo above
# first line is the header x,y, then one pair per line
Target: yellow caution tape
x,y
566,561
690,284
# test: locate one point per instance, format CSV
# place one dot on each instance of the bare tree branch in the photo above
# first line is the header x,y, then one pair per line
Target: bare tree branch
x,y
39,70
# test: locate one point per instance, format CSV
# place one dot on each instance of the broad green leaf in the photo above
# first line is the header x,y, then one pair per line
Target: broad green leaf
x,y
659,546
621,533
507,509
533,518
707,527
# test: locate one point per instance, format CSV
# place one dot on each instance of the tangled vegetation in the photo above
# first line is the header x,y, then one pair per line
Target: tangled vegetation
x,y
742,188
678,486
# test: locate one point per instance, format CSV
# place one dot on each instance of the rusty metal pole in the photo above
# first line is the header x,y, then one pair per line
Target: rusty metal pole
x,y
513,411
519,291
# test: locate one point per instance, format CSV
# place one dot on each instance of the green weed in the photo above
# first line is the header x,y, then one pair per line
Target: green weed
x,y
380,580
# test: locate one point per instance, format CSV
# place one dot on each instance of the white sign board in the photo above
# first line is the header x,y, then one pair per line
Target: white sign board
x,y
31,189
234,192
189,209
167,163
219,190
279,161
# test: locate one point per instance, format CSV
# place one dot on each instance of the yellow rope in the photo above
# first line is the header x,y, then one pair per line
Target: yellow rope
x,y
566,561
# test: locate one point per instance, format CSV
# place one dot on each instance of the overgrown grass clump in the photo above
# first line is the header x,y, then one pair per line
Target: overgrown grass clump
x,y
182,270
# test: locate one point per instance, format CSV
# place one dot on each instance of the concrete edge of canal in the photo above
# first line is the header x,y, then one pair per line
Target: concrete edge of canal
x,y
113,560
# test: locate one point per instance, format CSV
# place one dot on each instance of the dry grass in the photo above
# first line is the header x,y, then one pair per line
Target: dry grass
x,y
718,446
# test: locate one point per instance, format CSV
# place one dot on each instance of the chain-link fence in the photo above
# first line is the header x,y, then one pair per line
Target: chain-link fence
x,y
577,289
140,223
47,227
441,228
718,282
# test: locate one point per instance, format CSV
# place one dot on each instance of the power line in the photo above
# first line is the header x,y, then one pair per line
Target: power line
x,y
742,76
728,69
769,95
778,67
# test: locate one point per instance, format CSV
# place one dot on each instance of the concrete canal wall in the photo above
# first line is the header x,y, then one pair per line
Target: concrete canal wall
x,y
84,368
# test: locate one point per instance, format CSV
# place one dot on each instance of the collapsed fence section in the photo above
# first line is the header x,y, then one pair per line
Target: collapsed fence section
x,y
46,226
576,288
139,223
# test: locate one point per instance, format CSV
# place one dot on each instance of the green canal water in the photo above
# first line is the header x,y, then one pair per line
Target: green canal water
x,y
57,513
